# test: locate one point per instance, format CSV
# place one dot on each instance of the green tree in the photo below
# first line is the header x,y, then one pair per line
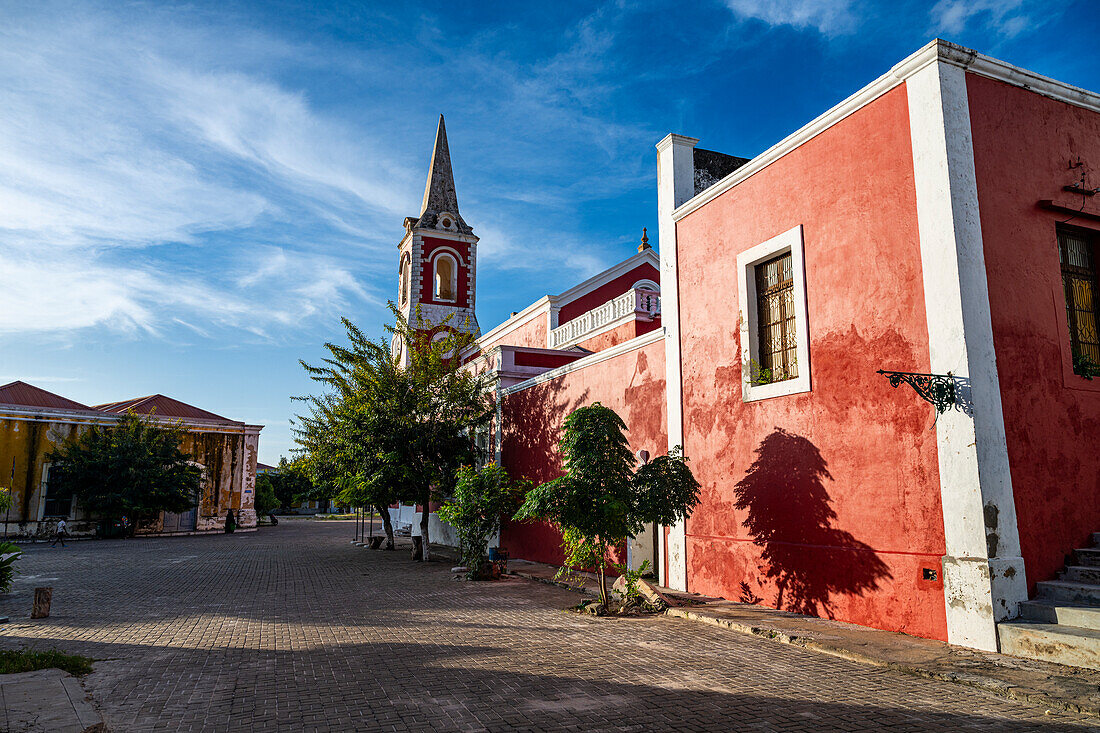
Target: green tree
x,y
266,500
600,501
481,496
133,466
403,426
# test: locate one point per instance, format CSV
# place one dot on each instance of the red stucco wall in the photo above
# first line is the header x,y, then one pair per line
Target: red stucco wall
x,y
1023,145
844,504
632,384
531,334
427,283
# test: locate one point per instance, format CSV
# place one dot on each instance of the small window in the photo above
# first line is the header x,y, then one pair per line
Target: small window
x,y
776,327
1077,252
58,503
775,343
405,277
446,280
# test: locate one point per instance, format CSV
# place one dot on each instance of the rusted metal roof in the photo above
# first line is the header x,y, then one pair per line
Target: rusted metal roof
x,y
161,406
27,395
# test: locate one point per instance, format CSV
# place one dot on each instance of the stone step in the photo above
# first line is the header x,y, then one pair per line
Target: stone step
x,y
1066,614
1087,556
1085,594
1081,574
1050,643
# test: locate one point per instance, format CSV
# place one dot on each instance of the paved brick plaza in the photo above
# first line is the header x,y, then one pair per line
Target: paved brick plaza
x,y
293,628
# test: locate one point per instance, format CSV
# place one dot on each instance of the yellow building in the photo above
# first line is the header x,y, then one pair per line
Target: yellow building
x,y
33,421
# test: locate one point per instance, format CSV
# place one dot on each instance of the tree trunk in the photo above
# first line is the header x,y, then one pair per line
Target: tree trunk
x,y
385,512
424,517
603,587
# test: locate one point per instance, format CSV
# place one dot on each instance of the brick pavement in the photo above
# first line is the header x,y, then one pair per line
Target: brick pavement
x,y
292,628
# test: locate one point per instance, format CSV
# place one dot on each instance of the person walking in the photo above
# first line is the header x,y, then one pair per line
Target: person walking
x,y
230,522
62,530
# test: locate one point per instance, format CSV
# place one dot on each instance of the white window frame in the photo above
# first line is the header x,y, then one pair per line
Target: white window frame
x,y
788,241
435,277
405,278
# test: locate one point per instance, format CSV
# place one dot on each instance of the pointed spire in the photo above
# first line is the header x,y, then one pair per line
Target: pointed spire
x,y
645,242
439,191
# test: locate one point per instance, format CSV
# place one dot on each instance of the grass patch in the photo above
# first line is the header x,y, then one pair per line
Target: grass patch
x,y
28,660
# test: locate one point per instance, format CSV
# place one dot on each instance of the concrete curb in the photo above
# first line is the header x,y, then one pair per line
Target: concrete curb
x,y
1081,699
1038,683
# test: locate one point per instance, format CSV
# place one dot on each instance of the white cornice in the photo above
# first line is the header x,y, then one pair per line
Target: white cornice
x,y
538,308
444,234
933,51
674,138
546,302
596,281
599,356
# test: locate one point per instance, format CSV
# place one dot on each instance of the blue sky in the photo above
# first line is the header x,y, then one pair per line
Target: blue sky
x,y
192,195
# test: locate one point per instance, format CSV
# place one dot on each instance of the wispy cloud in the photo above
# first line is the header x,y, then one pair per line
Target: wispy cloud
x,y
1006,18
118,165
165,177
828,17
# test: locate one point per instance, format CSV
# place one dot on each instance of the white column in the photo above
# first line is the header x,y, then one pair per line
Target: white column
x,y
983,572
675,185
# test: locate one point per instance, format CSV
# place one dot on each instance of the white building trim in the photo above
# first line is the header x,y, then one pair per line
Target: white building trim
x,y
615,271
437,257
436,251
788,241
600,356
983,571
936,50
675,185
501,330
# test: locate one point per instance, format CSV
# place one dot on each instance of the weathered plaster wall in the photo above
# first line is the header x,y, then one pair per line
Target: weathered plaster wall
x,y
1023,146
229,461
632,384
840,514
531,333
24,445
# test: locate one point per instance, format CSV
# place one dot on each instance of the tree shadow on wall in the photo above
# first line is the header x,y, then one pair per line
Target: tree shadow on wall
x,y
532,428
789,516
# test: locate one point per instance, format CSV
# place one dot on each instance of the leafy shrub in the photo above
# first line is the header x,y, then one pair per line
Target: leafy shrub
x,y
9,553
481,496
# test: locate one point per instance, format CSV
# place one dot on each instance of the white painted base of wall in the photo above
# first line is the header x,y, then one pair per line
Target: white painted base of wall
x,y
639,549
439,532
970,585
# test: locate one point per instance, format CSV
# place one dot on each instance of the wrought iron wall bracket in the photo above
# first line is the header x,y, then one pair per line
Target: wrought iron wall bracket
x,y
938,389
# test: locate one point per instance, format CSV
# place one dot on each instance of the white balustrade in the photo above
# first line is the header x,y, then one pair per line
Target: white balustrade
x,y
644,304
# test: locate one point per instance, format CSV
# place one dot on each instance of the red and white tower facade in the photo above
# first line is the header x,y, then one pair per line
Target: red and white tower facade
x,y
437,270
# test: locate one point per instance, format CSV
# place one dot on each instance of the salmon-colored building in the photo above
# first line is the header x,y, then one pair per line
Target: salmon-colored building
x,y
876,343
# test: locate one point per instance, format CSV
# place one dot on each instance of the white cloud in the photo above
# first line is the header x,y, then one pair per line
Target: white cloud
x,y
116,161
1008,18
828,17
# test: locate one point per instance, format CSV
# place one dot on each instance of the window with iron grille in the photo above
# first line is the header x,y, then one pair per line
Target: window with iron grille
x,y
1077,252
776,320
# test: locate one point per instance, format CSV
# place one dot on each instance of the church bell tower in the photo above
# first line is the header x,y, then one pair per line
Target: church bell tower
x,y
437,257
